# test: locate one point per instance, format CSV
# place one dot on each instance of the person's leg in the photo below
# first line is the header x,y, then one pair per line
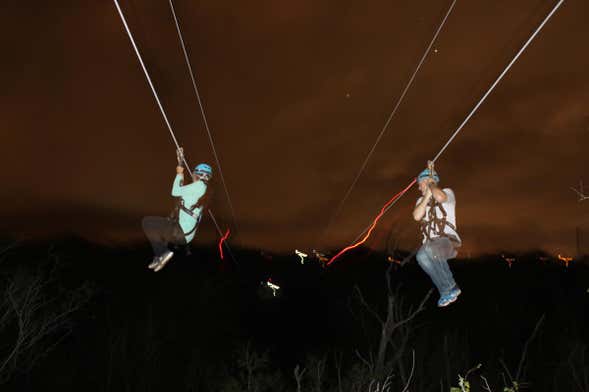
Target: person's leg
x,y
177,238
427,264
174,237
157,230
449,252
441,250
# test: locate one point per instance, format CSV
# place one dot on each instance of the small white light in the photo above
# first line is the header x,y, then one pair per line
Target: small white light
x,y
273,286
302,255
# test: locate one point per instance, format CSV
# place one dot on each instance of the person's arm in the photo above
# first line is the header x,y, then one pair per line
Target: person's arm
x,y
419,210
438,194
177,186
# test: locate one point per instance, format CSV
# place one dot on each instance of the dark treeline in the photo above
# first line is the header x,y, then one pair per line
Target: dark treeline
x,y
78,316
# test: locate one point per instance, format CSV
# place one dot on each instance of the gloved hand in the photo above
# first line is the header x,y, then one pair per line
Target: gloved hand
x,y
430,166
180,156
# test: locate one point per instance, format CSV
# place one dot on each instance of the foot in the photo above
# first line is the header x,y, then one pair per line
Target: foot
x,y
455,292
163,260
446,300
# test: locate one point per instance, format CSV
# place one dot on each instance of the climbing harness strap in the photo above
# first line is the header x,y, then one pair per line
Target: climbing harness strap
x,y
432,226
190,211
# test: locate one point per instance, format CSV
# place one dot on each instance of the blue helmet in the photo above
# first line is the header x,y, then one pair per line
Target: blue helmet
x,y
426,174
203,170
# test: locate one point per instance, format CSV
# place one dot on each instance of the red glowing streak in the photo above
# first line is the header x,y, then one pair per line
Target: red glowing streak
x,y
374,223
221,241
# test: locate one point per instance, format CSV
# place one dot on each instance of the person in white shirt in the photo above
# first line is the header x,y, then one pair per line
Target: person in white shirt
x,y
180,230
436,212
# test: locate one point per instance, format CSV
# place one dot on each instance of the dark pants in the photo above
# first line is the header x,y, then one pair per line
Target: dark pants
x,y
162,232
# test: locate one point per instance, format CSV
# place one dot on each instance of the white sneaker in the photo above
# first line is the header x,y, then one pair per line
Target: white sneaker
x,y
164,260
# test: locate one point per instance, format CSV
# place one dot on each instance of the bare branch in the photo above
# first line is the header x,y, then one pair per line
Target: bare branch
x,y
506,372
368,307
298,373
486,386
525,352
366,363
580,192
415,312
410,374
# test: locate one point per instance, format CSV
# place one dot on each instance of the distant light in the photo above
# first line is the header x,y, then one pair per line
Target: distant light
x,y
272,286
320,256
435,50
564,259
348,95
302,255
509,260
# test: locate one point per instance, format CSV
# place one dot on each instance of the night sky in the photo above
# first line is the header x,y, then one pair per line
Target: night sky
x,y
295,94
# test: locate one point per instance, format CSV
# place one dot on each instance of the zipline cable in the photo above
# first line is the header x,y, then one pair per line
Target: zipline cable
x,y
162,110
157,99
202,111
498,79
395,199
388,121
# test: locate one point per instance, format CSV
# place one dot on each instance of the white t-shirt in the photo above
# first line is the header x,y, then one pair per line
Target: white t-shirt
x,y
450,207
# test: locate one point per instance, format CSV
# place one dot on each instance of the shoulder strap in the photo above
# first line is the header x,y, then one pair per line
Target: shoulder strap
x,y
434,224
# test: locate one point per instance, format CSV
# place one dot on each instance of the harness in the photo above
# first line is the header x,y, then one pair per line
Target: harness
x,y
434,227
190,211
179,235
174,216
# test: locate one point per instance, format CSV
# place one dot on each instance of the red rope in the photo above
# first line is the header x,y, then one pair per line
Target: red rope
x,y
221,241
374,223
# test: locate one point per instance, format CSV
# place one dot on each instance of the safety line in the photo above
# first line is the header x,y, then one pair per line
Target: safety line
x,y
222,235
202,111
222,241
395,199
498,80
374,223
388,121
157,99
163,111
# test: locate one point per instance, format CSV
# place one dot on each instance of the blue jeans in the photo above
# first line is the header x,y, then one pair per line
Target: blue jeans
x,y
433,259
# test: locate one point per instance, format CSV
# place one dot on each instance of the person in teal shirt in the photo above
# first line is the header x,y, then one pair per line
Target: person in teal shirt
x,y
163,232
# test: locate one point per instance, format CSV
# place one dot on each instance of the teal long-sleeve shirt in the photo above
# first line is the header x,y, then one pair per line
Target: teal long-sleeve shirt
x,y
190,195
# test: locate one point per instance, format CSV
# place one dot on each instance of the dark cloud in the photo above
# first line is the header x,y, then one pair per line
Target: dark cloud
x,y
295,94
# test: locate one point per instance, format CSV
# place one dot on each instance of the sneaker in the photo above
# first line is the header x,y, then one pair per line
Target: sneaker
x,y
163,260
446,300
455,292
